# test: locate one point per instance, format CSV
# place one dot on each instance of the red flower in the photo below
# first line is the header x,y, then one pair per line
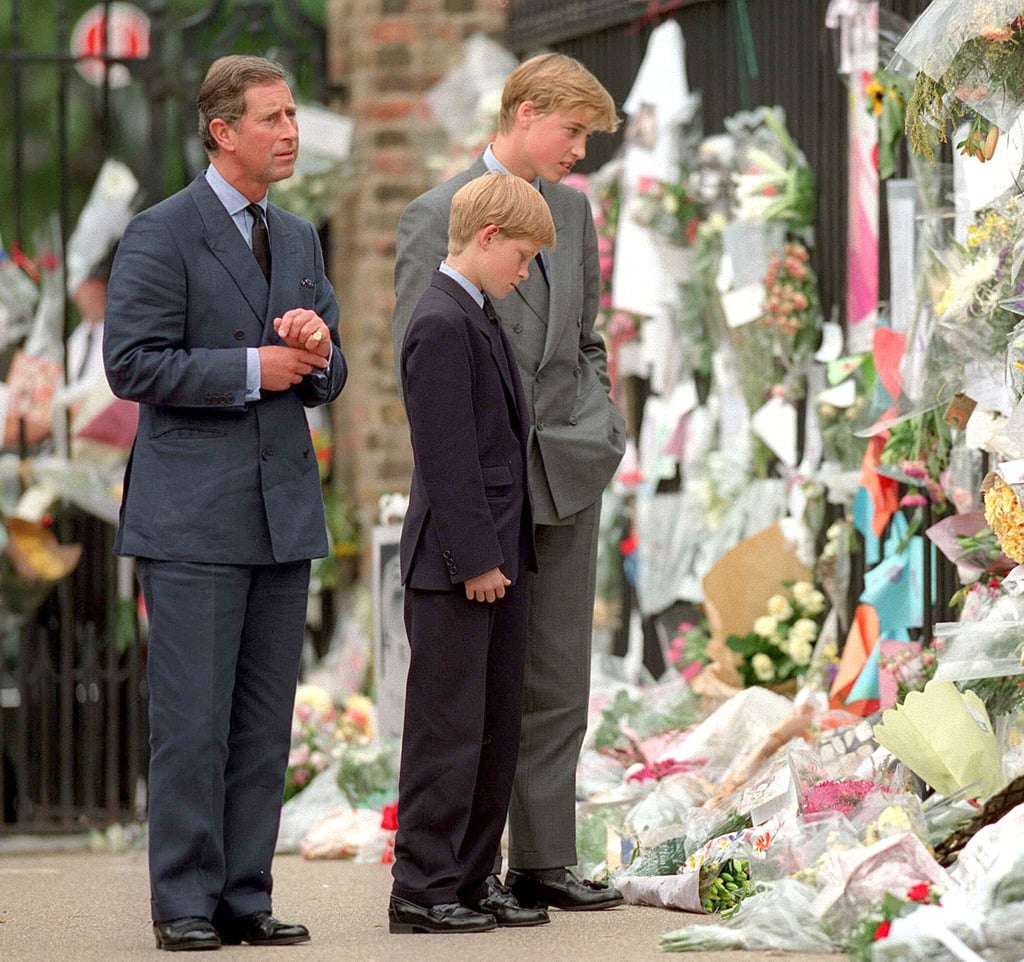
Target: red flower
x,y
920,892
882,932
389,817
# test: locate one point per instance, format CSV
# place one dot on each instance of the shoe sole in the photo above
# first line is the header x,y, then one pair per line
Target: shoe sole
x,y
410,928
573,907
187,948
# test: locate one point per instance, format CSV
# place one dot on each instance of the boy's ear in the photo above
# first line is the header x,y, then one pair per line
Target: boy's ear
x,y
487,234
526,111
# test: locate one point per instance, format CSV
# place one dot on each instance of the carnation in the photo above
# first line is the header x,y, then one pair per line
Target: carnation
x,y
766,626
779,607
763,667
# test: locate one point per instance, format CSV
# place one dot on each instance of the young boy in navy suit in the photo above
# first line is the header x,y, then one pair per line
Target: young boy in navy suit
x,y
466,546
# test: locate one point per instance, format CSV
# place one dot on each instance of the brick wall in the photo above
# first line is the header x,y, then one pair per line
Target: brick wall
x,y
386,54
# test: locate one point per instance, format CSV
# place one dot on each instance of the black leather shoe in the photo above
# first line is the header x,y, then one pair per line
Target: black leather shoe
x,y
261,928
502,904
187,934
406,917
561,889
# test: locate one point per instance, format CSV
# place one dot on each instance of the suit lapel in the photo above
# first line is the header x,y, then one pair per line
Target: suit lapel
x,y
226,243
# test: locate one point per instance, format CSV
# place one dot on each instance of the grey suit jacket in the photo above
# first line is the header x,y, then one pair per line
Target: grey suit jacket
x,y
578,435
210,477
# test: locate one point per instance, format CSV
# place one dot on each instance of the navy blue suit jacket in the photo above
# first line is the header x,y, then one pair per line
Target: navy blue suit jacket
x,y
212,478
469,502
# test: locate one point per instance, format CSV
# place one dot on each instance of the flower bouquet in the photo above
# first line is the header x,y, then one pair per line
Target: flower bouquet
x,y
876,925
668,208
967,61
791,304
314,727
780,644
774,182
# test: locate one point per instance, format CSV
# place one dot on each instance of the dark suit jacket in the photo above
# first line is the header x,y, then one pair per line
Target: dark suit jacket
x,y
578,432
469,503
212,478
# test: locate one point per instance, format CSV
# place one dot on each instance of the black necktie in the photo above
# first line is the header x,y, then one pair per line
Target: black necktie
x,y
490,312
83,365
260,239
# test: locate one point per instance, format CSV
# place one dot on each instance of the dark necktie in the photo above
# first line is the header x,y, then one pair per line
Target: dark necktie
x,y
260,239
490,312
83,365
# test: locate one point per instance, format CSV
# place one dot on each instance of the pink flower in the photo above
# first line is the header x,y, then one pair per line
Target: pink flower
x,y
913,501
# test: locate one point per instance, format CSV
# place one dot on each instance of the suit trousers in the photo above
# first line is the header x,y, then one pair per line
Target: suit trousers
x,y
542,815
460,739
222,665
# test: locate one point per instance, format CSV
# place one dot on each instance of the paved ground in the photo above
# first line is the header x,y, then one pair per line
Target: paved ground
x,y
58,906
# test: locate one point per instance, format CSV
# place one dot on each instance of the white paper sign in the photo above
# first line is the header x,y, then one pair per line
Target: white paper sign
x,y
743,305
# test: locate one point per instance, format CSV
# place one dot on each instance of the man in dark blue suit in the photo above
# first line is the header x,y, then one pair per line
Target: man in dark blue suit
x,y
222,505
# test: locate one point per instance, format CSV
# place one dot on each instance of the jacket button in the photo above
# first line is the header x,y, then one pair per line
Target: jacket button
x,y
577,371
540,425
265,454
574,420
540,377
239,335
517,327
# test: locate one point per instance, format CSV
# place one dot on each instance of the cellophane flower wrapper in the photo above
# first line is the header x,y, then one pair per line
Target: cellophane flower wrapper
x,y
948,43
367,772
777,917
602,842
801,843
849,881
981,649
18,299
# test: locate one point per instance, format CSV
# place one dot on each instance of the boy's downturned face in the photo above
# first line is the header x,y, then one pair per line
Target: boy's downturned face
x,y
549,145
503,261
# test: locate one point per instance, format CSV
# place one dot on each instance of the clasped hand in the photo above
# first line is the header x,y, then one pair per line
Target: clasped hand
x,y
307,347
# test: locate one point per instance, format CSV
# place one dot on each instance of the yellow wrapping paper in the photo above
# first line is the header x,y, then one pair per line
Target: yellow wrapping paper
x,y
945,737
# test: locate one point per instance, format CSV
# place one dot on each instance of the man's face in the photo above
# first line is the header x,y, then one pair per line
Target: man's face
x,y
266,143
552,144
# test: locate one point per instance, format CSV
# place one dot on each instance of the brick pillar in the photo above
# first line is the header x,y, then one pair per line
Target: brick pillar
x,y
386,54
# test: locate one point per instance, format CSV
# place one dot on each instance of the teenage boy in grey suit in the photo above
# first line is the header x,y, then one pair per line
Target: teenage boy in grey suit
x,y
222,505
550,106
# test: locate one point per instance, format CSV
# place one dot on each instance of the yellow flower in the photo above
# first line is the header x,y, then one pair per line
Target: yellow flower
x,y
765,626
875,94
1005,518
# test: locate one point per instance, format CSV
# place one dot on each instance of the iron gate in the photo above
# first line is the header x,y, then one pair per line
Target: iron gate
x,y
73,731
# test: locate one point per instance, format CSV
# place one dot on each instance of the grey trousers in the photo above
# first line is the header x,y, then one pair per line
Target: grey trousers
x,y
542,814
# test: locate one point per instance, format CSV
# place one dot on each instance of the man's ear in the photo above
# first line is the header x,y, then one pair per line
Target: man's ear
x,y
223,133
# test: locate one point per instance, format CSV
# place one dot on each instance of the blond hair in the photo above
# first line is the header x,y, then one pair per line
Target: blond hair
x,y
515,207
556,82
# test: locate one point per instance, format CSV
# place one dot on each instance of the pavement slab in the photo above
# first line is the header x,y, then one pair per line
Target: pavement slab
x,y
94,907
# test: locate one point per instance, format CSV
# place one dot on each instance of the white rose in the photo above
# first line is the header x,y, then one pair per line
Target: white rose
x,y
765,626
800,651
804,630
764,669
779,607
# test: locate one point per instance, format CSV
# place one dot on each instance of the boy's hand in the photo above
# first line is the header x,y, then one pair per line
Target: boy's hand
x,y
489,586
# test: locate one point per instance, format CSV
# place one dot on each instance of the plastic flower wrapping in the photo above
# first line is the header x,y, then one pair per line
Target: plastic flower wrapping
x,y
967,61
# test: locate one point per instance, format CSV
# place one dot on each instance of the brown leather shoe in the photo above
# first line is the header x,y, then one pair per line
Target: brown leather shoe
x,y
261,928
561,889
406,917
186,934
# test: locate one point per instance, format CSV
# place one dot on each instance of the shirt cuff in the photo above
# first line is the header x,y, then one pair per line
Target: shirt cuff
x,y
252,374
